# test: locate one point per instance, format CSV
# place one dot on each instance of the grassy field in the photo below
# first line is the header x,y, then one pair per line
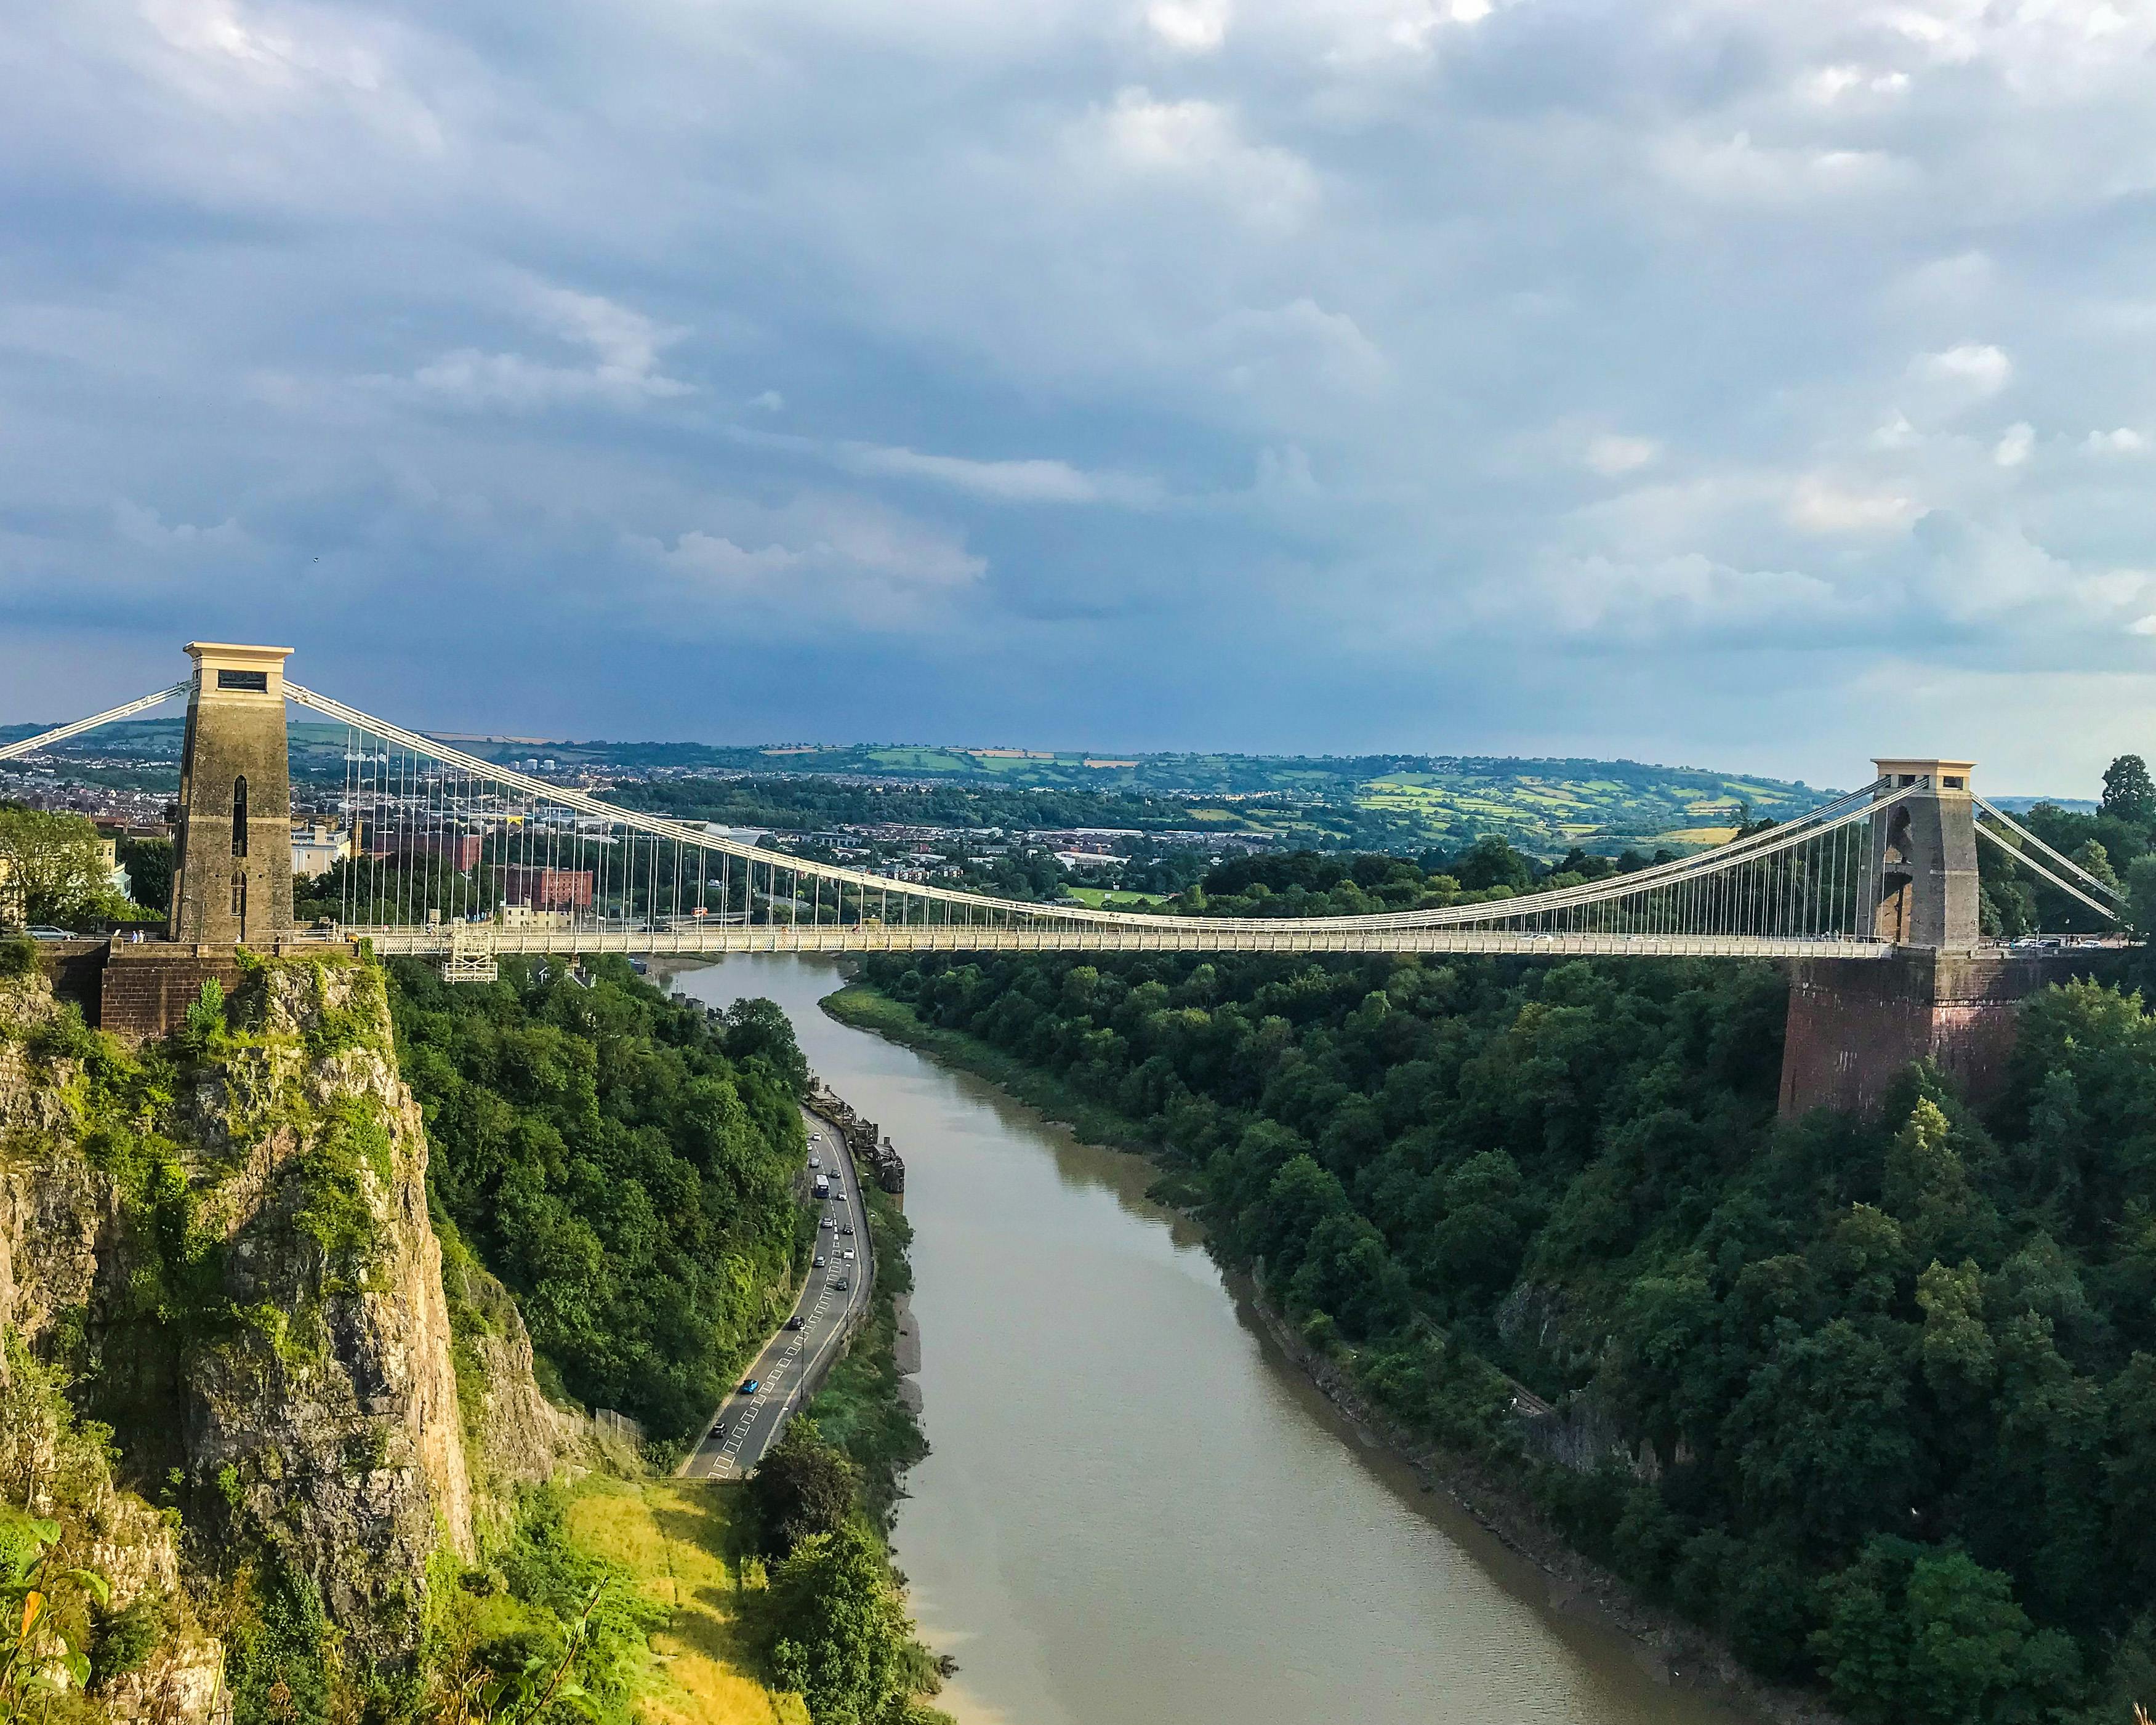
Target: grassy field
x,y
1096,897
672,1536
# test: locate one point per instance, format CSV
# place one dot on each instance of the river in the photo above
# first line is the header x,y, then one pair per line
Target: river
x,y
1138,1511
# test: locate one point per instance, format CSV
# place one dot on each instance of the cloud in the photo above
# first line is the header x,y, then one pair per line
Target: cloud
x,y
2124,440
1192,26
1201,146
891,571
624,347
1023,481
1980,368
984,358
1820,504
1736,169
1609,455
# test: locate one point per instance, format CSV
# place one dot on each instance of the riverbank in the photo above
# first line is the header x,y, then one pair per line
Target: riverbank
x,y
1678,1653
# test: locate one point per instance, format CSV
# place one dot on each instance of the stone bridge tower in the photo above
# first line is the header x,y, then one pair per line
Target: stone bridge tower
x,y
1923,886
232,878
1856,1024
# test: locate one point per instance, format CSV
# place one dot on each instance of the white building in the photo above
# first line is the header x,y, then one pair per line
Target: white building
x,y
317,848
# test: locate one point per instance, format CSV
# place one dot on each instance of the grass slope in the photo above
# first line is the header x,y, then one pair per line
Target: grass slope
x,y
674,1538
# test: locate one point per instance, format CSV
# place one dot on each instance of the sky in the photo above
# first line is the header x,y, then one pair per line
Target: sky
x,y
1759,387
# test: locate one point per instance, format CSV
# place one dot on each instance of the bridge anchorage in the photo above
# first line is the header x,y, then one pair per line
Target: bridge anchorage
x,y
426,850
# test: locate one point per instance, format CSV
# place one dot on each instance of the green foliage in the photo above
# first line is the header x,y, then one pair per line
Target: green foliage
x,y
279,1655
350,1152
840,1636
149,866
18,956
1925,1635
578,1646
2128,795
625,1166
203,1027
1458,1175
123,1640
803,1486
53,870
43,1613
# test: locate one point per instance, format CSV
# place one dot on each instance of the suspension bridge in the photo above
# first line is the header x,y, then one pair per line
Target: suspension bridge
x,y
463,860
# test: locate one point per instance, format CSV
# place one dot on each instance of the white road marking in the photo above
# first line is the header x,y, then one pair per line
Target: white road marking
x,y
767,1370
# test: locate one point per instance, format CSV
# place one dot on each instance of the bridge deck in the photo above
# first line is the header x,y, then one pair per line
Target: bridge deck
x,y
955,938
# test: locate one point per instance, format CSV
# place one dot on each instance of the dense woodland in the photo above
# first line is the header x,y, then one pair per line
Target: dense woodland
x,y
626,1166
1876,1401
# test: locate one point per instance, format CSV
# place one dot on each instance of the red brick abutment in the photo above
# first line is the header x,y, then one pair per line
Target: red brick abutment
x,y
1856,1024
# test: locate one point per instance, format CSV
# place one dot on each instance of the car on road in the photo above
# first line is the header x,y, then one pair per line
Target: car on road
x,y
814,1160
819,1260
846,1229
825,1223
848,1255
841,1285
750,1386
718,1427
50,934
794,1321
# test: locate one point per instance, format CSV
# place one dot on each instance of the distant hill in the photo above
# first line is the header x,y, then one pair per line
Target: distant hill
x,y
1377,800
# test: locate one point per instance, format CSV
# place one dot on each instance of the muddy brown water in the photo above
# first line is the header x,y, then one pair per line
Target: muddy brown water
x,y
1138,1511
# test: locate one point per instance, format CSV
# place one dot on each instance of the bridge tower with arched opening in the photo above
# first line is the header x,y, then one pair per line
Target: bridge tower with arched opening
x,y
232,873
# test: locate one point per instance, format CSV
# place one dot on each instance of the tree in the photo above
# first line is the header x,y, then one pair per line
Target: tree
x,y
1918,1633
2141,895
51,869
2129,793
840,1635
149,866
761,1027
804,1487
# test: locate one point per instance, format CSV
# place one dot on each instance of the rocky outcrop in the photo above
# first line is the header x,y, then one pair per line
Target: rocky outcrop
x,y
513,1435
228,1243
329,1413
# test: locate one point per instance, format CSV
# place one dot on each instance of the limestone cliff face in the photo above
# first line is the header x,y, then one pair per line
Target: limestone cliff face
x,y
230,1246
329,1413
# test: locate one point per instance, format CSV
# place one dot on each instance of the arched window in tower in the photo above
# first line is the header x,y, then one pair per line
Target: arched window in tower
x,y
240,816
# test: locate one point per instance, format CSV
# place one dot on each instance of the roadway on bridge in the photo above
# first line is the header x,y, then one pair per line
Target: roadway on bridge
x,y
794,1360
